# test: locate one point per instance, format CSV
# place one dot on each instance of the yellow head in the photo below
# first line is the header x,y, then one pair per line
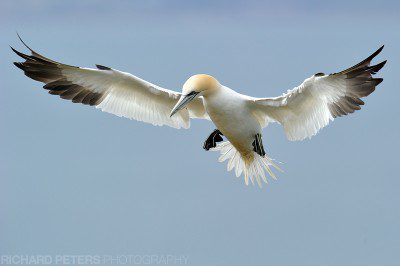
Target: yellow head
x,y
200,83
195,86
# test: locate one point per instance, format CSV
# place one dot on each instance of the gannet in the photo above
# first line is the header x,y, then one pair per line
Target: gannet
x,y
302,111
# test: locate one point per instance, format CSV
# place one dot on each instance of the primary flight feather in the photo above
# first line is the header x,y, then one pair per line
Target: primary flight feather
x,y
302,111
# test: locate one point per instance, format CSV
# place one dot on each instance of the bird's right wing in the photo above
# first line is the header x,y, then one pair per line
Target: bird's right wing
x,y
304,110
110,90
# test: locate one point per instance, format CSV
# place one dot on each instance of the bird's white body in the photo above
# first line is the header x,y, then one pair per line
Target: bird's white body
x,y
231,114
302,111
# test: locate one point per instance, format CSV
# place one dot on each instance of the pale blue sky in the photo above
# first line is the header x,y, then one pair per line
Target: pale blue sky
x,y
74,180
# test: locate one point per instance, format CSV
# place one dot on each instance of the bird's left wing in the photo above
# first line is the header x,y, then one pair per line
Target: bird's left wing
x,y
304,110
110,90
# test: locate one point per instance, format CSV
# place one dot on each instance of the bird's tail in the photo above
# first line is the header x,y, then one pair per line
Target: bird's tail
x,y
253,166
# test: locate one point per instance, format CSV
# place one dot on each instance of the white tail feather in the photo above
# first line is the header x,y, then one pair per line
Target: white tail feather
x,y
251,170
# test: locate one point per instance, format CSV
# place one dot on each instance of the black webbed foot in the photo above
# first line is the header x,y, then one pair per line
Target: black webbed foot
x,y
258,145
211,141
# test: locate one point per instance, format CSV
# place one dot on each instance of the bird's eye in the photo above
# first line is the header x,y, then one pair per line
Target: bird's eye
x,y
191,93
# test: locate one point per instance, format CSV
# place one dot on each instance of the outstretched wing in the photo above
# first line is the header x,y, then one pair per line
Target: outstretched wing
x,y
304,110
110,90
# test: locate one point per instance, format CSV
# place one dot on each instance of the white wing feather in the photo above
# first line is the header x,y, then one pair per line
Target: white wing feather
x,y
129,96
304,110
111,91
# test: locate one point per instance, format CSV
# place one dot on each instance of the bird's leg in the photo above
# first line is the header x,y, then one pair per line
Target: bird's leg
x,y
211,141
258,145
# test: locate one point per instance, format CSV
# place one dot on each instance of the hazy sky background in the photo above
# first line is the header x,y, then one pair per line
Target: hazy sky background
x,y
74,180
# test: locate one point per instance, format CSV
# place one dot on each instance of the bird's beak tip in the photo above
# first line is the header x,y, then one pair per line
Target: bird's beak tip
x,y
173,112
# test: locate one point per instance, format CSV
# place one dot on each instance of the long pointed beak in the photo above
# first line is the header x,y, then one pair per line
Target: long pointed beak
x,y
183,101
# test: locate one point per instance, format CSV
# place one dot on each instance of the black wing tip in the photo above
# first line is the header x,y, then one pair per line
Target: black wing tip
x,y
379,50
19,37
13,49
375,68
22,55
381,65
376,52
378,81
19,65
101,67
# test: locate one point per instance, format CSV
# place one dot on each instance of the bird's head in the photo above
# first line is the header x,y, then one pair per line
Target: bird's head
x,y
195,86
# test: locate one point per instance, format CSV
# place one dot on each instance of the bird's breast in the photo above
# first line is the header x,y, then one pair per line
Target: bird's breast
x,y
232,117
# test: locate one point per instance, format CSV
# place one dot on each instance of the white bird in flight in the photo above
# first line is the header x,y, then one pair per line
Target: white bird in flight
x,y
302,111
